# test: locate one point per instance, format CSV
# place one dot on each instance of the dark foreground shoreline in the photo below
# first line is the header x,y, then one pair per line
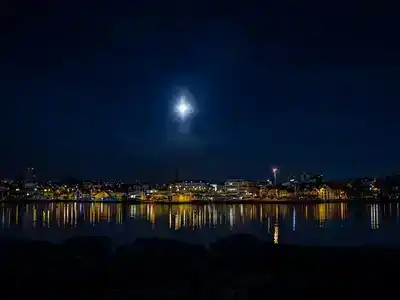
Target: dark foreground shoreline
x,y
237,267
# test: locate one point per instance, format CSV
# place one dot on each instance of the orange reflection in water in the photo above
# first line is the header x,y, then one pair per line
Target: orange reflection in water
x,y
61,215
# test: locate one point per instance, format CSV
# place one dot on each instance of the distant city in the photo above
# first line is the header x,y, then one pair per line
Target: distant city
x,y
304,187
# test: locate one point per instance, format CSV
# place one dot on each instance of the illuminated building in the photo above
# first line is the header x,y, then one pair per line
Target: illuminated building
x,y
182,198
327,192
242,187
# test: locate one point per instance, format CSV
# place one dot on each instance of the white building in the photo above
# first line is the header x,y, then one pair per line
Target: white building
x,y
239,186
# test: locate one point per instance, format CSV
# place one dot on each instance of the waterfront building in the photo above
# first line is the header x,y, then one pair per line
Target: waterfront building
x,y
330,192
240,187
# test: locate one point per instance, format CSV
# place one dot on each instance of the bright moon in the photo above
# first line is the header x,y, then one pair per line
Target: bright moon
x,y
183,108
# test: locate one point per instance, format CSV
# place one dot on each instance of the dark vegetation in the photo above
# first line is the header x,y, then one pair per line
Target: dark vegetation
x,y
238,267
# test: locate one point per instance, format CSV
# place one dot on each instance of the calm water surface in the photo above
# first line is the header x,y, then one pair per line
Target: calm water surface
x,y
316,224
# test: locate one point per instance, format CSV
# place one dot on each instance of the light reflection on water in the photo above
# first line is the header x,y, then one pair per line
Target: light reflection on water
x,y
317,224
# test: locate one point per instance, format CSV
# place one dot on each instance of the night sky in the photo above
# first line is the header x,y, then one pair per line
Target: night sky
x,y
87,89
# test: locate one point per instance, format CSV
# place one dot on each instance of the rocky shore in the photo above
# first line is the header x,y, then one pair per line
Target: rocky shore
x,y
238,267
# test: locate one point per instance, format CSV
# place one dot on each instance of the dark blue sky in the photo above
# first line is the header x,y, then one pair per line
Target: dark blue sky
x,y
86,90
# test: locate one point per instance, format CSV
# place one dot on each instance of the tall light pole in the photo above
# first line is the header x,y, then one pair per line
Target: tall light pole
x,y
274,171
